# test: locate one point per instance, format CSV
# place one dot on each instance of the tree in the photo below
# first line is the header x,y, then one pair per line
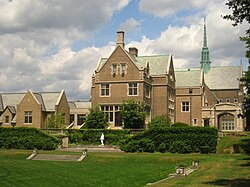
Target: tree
x,y
241,12
160,122
96,119
133,114
56,121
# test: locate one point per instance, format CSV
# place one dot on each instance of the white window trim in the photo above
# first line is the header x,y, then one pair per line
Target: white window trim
x,y
188,106
100,93
129,87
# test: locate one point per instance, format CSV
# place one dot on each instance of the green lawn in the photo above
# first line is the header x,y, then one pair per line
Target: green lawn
x,y
124,169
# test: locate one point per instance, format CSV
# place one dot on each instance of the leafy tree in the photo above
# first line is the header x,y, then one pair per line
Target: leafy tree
x,y
96,119
240,13
133,114
160,122
56,121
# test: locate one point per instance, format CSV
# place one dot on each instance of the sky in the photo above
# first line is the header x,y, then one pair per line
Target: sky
x,y
50,45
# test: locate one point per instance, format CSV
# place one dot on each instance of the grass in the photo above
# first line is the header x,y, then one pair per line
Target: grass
x,y
125,169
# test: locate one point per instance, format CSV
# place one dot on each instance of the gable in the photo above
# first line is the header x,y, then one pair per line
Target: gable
x,y
28,100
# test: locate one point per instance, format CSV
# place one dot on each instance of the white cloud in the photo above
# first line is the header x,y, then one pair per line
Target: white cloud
x,y
36,38
130,25
162,8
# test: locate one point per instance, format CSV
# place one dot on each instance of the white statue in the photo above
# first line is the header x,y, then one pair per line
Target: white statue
x,y
102,139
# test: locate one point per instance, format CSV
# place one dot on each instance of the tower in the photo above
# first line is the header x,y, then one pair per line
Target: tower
x,y
205,61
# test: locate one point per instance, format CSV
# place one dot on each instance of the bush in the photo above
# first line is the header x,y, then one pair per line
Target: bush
x,y
180,124
160,122
191,138
204,149
26,138
180,147
143,145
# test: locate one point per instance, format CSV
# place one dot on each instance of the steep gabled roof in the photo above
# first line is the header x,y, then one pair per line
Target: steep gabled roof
x,y
50,100
158,64
11,99
188,77
224,77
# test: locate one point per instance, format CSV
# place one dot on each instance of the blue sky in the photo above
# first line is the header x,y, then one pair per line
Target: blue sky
x,y
52,45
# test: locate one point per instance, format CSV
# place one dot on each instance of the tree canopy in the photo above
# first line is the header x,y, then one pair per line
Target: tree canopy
x,y
96,119
133,114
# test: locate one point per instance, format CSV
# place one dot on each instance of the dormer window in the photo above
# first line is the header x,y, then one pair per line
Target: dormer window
x,y
123,69
114,69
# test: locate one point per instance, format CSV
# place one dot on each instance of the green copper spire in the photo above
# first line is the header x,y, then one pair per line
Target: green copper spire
x,y
205,62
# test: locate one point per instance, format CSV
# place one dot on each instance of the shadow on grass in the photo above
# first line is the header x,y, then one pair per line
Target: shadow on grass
x,y
239,182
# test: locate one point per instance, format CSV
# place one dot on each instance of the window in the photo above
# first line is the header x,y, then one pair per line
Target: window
x,y
71,118
110,111
28,117
7,119
123,69
114,69
80,119
147,90
195,121
220,100
185,106
104,89
228,100
132,90
236,100
228,125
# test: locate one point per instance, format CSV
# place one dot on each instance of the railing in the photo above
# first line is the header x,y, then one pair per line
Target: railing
x,y
54,131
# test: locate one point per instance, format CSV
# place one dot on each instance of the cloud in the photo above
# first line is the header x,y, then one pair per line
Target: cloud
x,y
130,25
162,8
36,38
185,42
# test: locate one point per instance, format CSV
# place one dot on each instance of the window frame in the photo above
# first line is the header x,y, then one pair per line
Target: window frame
x,y
28,117
185,105
133,89
7,120
105,91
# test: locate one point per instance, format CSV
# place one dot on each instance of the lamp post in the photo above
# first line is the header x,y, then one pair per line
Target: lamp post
x,y
190,105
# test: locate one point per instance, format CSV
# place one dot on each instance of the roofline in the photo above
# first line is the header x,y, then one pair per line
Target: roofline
x,y
34,96
60,97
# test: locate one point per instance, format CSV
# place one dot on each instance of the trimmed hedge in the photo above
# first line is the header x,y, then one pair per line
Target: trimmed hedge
x,y
26,138
92,136
178,139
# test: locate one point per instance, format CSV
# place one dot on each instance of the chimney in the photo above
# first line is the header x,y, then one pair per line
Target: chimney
x,y
120,39
133,51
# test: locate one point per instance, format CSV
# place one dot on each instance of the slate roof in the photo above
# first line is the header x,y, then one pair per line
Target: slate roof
x,y
224,77
158,64
10,99
217,78
79,104
47,99
188,77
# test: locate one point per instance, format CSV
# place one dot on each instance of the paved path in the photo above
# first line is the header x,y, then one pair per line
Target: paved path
x,y
91,148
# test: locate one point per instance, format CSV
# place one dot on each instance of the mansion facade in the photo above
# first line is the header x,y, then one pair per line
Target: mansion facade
x,y
201,96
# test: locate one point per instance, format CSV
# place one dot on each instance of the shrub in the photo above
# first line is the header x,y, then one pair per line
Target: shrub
x,y
192,138
160,122
143,145
204,149
96,119
180,147
180,124
26,138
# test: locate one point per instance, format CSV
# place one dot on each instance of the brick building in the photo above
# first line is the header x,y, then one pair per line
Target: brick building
x,y
32,109
125,75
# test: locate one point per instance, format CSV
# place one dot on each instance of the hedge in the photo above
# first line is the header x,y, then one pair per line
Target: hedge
x,y
92,136
177,139
26,138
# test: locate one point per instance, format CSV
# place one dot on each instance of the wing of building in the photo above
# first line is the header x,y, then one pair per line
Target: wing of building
x,y
210,96
32,109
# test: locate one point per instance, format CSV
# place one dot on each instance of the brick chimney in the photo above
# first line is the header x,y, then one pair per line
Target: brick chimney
x,y
120,39
133,51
